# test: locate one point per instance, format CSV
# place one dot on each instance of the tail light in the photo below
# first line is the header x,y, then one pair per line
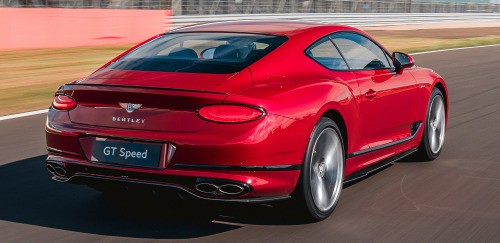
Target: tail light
x,y
230,113
63,102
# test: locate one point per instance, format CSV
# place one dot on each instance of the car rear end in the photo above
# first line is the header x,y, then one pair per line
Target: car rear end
x,y
163,117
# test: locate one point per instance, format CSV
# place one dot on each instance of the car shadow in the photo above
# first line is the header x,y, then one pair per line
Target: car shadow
x,y
29,196
413,158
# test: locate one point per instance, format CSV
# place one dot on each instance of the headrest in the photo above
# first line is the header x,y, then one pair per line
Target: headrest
x,y
183,52
226,52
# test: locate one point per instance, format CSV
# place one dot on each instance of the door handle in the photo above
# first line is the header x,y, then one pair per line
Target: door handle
x,y
371,94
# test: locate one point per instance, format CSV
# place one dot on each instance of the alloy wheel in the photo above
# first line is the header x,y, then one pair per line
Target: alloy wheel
x,y
327,165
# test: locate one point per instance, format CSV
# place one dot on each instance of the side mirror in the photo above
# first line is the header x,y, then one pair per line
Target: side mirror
x,y
402,60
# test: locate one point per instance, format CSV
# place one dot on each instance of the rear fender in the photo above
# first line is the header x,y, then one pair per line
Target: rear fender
x,y
307,102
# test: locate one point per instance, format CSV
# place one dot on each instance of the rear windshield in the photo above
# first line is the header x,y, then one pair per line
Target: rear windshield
x,y
216,53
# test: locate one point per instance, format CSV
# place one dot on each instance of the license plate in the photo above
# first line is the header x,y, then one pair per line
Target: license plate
x,y
129,153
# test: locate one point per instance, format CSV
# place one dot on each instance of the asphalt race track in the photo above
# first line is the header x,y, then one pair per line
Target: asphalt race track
x,y
454,198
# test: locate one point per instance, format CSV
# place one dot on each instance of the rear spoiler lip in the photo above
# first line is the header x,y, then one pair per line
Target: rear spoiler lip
x,y
146,87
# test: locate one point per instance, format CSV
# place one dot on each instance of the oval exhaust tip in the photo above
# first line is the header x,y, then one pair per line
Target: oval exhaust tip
x,y
207,188
60,171
51,168
231,189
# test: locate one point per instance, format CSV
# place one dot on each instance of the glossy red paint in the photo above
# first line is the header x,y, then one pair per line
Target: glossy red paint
x,y
390,112
63,102
372,107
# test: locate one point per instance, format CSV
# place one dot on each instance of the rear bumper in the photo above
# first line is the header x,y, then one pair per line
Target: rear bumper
x,y
257,186
264,156
91,179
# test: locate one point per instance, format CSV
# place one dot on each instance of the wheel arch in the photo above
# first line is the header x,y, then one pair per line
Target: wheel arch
x,y
439,85
337,117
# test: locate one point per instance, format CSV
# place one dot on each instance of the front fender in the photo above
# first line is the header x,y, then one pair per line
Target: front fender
x,y
426,81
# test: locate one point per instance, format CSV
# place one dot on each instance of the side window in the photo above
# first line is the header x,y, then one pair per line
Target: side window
x,y
389,58
327,55
360,52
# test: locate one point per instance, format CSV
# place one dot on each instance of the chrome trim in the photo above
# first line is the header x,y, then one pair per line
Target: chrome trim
x,y
214,187
51,168
53,150
241,168
365,151
377,166
130,107
218,190
242,189
60,171
170,152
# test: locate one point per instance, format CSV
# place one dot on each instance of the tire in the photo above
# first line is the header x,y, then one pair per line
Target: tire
x,y
434,129
320,176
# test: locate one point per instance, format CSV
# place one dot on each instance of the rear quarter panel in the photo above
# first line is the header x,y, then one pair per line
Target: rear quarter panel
x,y
314,91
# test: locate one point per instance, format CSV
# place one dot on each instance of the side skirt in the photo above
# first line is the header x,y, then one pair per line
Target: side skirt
x,y
414,130
386,162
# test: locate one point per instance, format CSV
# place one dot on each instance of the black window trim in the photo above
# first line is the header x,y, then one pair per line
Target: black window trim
x,y
341,54
312,58
391,68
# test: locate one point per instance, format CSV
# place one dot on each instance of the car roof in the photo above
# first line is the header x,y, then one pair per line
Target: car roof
x,y
279,27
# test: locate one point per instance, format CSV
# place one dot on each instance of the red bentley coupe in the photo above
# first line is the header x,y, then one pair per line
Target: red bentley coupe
x,y
248,112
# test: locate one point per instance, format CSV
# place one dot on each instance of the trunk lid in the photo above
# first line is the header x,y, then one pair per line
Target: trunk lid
x,y
156,101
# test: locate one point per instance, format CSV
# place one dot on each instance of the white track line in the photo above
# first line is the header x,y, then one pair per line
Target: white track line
x,y
453,49
30,113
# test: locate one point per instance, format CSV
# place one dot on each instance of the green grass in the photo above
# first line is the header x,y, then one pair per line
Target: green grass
x,y
19,99
410,45
28,78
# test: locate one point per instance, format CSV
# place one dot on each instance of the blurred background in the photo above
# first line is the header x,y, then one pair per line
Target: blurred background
x,y
456,198
202,7
46,43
